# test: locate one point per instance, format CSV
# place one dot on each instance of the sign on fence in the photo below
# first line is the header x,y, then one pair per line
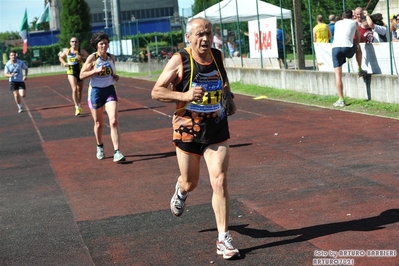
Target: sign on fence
x,y
115,47
263,39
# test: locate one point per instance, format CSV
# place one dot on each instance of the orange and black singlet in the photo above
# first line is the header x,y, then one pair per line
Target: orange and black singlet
x,y
202,122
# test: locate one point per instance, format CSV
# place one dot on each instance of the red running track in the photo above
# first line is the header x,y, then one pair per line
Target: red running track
x,y
304,182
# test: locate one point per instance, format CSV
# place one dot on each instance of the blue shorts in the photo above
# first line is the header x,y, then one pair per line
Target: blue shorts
x,y
339,55
98,97
281,54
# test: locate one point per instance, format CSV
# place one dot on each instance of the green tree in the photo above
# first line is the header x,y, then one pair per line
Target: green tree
x,y
9,35
75,21
201,5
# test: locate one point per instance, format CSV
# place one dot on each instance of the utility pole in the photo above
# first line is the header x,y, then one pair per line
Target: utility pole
x,y
105,14
54,22
298,29
116,22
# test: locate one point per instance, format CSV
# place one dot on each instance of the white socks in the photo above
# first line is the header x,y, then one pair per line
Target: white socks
x,y
222,236
181,196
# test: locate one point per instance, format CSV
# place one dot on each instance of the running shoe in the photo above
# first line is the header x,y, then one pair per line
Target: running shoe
x,y
362,73
78,111
226,248
339,103
100,153
176,203
118,157
20,109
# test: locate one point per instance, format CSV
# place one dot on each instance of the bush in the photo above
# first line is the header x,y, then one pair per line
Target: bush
x,y
38,55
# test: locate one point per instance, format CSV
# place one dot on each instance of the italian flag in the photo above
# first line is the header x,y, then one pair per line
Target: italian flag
x,y
23,32
45,17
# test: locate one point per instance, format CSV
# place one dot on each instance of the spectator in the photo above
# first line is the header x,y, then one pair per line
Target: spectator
x,y
231,45
331,25
380,30
217,39
345,46
321,32
357,15
280,46
394,28
365,32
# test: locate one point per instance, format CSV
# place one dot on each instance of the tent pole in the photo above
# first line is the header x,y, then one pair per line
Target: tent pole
x,y
260,39
293,44
311,33
221,26
389,35
238,31
282,28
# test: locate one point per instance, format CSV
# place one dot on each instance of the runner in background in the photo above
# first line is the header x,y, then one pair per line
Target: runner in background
x,y
74,60
13,70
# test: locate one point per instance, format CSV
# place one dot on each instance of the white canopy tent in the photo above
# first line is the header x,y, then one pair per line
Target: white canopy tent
x,y
229,11
226,11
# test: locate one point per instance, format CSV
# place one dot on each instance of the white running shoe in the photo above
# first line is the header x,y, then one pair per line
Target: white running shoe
x,y
339,103
226,248
100,153
118,157
177,204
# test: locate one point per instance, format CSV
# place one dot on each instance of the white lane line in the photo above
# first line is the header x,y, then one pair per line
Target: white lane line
x,y
33,121
56,92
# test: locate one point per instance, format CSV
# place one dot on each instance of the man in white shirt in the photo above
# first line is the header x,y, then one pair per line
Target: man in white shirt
x,y
345,45
13,70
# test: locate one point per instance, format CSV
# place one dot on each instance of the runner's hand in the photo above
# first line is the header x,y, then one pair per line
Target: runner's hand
x,y
231,107
195,94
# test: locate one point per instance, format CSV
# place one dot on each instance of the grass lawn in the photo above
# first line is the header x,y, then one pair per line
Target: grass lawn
x,y
354,105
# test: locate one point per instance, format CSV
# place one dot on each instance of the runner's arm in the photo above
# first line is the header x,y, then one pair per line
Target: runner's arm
x,y
61,58
88,68
170,77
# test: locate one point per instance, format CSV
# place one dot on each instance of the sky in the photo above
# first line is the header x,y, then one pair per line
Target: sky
x,y
12,12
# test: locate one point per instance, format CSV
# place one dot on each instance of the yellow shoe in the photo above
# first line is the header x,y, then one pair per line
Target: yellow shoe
x,y
77,112
80,110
